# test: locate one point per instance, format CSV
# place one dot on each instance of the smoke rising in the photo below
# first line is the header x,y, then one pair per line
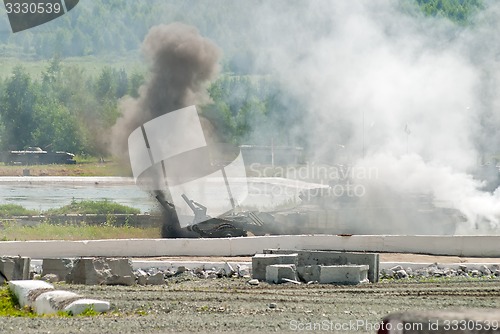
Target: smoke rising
x,y
413,96
182,62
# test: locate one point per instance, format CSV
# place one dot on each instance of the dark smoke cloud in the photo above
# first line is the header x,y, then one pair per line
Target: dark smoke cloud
x,y
182,62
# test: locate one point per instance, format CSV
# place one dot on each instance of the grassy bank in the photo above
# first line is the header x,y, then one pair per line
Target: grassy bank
x,y
103,207
93,207
84,167
12,231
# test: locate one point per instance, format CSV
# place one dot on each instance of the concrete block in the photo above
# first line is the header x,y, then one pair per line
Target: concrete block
x,y
343,274
277,272
93,271
119,280
89,271
328,258
309,273
58,300
14,268
59,267
441,321
156,279
261,261
120,266
141,276
80,305
53,301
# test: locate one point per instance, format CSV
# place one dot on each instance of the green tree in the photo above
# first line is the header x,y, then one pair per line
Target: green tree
x,y
56,128
17,109
105,88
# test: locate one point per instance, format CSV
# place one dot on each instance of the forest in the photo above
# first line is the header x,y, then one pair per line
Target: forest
x,y
65,107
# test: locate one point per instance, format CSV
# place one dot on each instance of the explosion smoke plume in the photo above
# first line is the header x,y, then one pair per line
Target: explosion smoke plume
x,y
181,63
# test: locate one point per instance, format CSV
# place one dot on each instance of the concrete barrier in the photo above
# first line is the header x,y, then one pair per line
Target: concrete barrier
x,y
343,274
42,297
472,246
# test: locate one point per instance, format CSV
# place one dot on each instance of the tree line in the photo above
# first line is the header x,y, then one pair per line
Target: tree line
x,y
63,109
66,109
118,27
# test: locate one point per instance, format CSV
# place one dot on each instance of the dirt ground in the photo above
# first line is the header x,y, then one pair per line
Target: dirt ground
x,y
189,304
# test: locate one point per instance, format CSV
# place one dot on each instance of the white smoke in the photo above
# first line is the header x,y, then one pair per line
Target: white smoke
x,y
415,97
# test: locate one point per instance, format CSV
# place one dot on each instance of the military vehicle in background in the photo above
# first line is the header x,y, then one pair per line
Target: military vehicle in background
x,y
37,156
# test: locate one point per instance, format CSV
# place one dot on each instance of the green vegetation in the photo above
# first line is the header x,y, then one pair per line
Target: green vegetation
x,y
86,166
10,210
93,207
63,109
48,230
459,11
9,306
75,207
82,231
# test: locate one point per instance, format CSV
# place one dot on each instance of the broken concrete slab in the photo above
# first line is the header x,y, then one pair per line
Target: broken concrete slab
x,y
120,280
59,267
277,272
14,268
243,271
343,274
120,266
89,271
141,276
94,271
326,257
261,261
156,279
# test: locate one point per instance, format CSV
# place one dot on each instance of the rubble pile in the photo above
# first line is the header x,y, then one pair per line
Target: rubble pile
x,y
274,266
119,271
438,270
156,276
